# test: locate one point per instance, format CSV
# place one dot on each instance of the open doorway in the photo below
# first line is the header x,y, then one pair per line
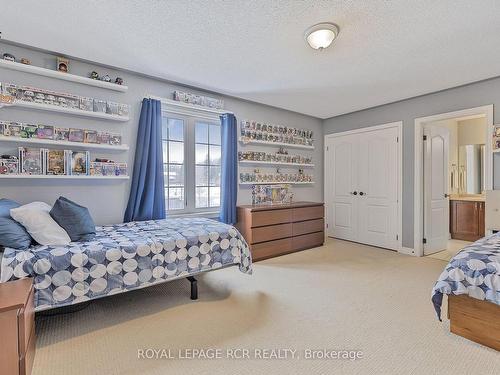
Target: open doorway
x,y
455,170
454,173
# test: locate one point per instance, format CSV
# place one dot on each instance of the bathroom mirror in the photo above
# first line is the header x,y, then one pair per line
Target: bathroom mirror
x,y
471,169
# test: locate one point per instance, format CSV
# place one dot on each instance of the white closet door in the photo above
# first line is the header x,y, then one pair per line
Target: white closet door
x,y
378,188
341,171
436,206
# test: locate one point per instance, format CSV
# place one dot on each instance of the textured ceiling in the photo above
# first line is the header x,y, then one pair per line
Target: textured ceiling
x,y
386,50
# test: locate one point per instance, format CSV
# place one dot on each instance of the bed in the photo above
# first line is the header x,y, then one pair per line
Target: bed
x,y
125,257
472,282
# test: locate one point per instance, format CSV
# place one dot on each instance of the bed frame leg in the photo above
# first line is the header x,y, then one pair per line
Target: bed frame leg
x,y
194,287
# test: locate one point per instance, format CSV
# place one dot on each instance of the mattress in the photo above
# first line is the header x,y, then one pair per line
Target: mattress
x,y
474,271
124,257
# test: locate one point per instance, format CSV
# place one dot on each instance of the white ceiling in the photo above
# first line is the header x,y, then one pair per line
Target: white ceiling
x,y
386,50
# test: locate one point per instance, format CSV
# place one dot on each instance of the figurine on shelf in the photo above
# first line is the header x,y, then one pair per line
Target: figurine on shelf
x,y
119,81
94,75
9,57
63,64
106,78
25,61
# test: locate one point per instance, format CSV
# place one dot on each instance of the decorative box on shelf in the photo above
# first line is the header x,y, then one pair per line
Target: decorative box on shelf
x,y
11,131
45,100
263,133
279,158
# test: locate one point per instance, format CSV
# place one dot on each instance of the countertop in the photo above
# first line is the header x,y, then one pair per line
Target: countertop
x,y
468,197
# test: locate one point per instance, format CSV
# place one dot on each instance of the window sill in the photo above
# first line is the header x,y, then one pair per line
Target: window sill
x,y
206,214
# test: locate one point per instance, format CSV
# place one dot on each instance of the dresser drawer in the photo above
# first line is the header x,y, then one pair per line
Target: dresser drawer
x,y
271,232
309,226
263,218
272,248
308,240
308,213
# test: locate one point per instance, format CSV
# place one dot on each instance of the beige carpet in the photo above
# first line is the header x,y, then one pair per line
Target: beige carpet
x,y
454,246
340,296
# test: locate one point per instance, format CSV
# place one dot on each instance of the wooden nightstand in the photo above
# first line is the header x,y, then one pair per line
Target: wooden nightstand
x,y
17,325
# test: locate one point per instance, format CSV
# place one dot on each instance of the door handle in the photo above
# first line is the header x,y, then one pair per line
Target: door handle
x,y
446,195
361,193
354,193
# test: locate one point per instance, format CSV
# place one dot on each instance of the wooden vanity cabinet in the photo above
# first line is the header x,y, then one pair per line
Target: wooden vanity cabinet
x,y
467,220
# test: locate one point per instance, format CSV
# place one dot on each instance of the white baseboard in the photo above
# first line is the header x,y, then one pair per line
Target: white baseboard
x,y
408,251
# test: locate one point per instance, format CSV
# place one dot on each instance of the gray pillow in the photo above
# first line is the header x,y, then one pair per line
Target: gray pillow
x,y
12,234
74,219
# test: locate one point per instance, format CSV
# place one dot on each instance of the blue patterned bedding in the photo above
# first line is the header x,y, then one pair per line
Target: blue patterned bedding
x,y
126,256
474,271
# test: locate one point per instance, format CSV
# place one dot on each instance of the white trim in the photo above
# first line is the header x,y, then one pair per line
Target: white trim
x,y
399,126
70,111
74,145
60,75
407,251
190,110
486,111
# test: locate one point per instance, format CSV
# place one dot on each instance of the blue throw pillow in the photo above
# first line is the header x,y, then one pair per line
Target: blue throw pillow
x,y
74,219
12,234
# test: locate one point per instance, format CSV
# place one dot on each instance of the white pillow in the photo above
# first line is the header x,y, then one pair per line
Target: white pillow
x,y
35,217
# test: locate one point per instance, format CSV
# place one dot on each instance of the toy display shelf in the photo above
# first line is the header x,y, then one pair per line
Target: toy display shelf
x,y
279,144
71,111
66,144
61,177
272,163
61,75
277,183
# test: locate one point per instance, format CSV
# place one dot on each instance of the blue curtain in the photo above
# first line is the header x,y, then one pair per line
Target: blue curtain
x,y
229,169
147,194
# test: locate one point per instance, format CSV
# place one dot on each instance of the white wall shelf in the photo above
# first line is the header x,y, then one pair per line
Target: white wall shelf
x,y
60,75
273,163
67,144
60,177
276,183
71,111
276,144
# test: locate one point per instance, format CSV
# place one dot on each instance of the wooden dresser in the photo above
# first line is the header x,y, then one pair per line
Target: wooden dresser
x,y
17,327
280,229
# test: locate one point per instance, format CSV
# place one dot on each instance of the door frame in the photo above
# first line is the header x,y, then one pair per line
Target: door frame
x,y
399,126
418,179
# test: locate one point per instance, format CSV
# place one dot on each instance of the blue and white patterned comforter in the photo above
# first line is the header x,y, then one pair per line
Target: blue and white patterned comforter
x,y
126,256
474,271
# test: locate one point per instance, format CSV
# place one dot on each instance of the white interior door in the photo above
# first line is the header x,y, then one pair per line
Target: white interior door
x,y
436,205
340,170
378,169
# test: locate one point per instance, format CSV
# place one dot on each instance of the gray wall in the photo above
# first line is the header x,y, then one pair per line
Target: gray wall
x,y
107,199
474,95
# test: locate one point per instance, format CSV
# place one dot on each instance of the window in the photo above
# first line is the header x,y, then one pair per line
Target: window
x,y
192,164
173,162
207,164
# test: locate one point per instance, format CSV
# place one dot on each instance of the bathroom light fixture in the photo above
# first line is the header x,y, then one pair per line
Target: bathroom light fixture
x,y
321,35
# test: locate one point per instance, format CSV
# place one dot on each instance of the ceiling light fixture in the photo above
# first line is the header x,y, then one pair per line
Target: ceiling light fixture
x,y
320,36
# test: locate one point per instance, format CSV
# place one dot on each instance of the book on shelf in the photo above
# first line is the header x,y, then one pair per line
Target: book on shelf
x,y
31,160
55,161
78,162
